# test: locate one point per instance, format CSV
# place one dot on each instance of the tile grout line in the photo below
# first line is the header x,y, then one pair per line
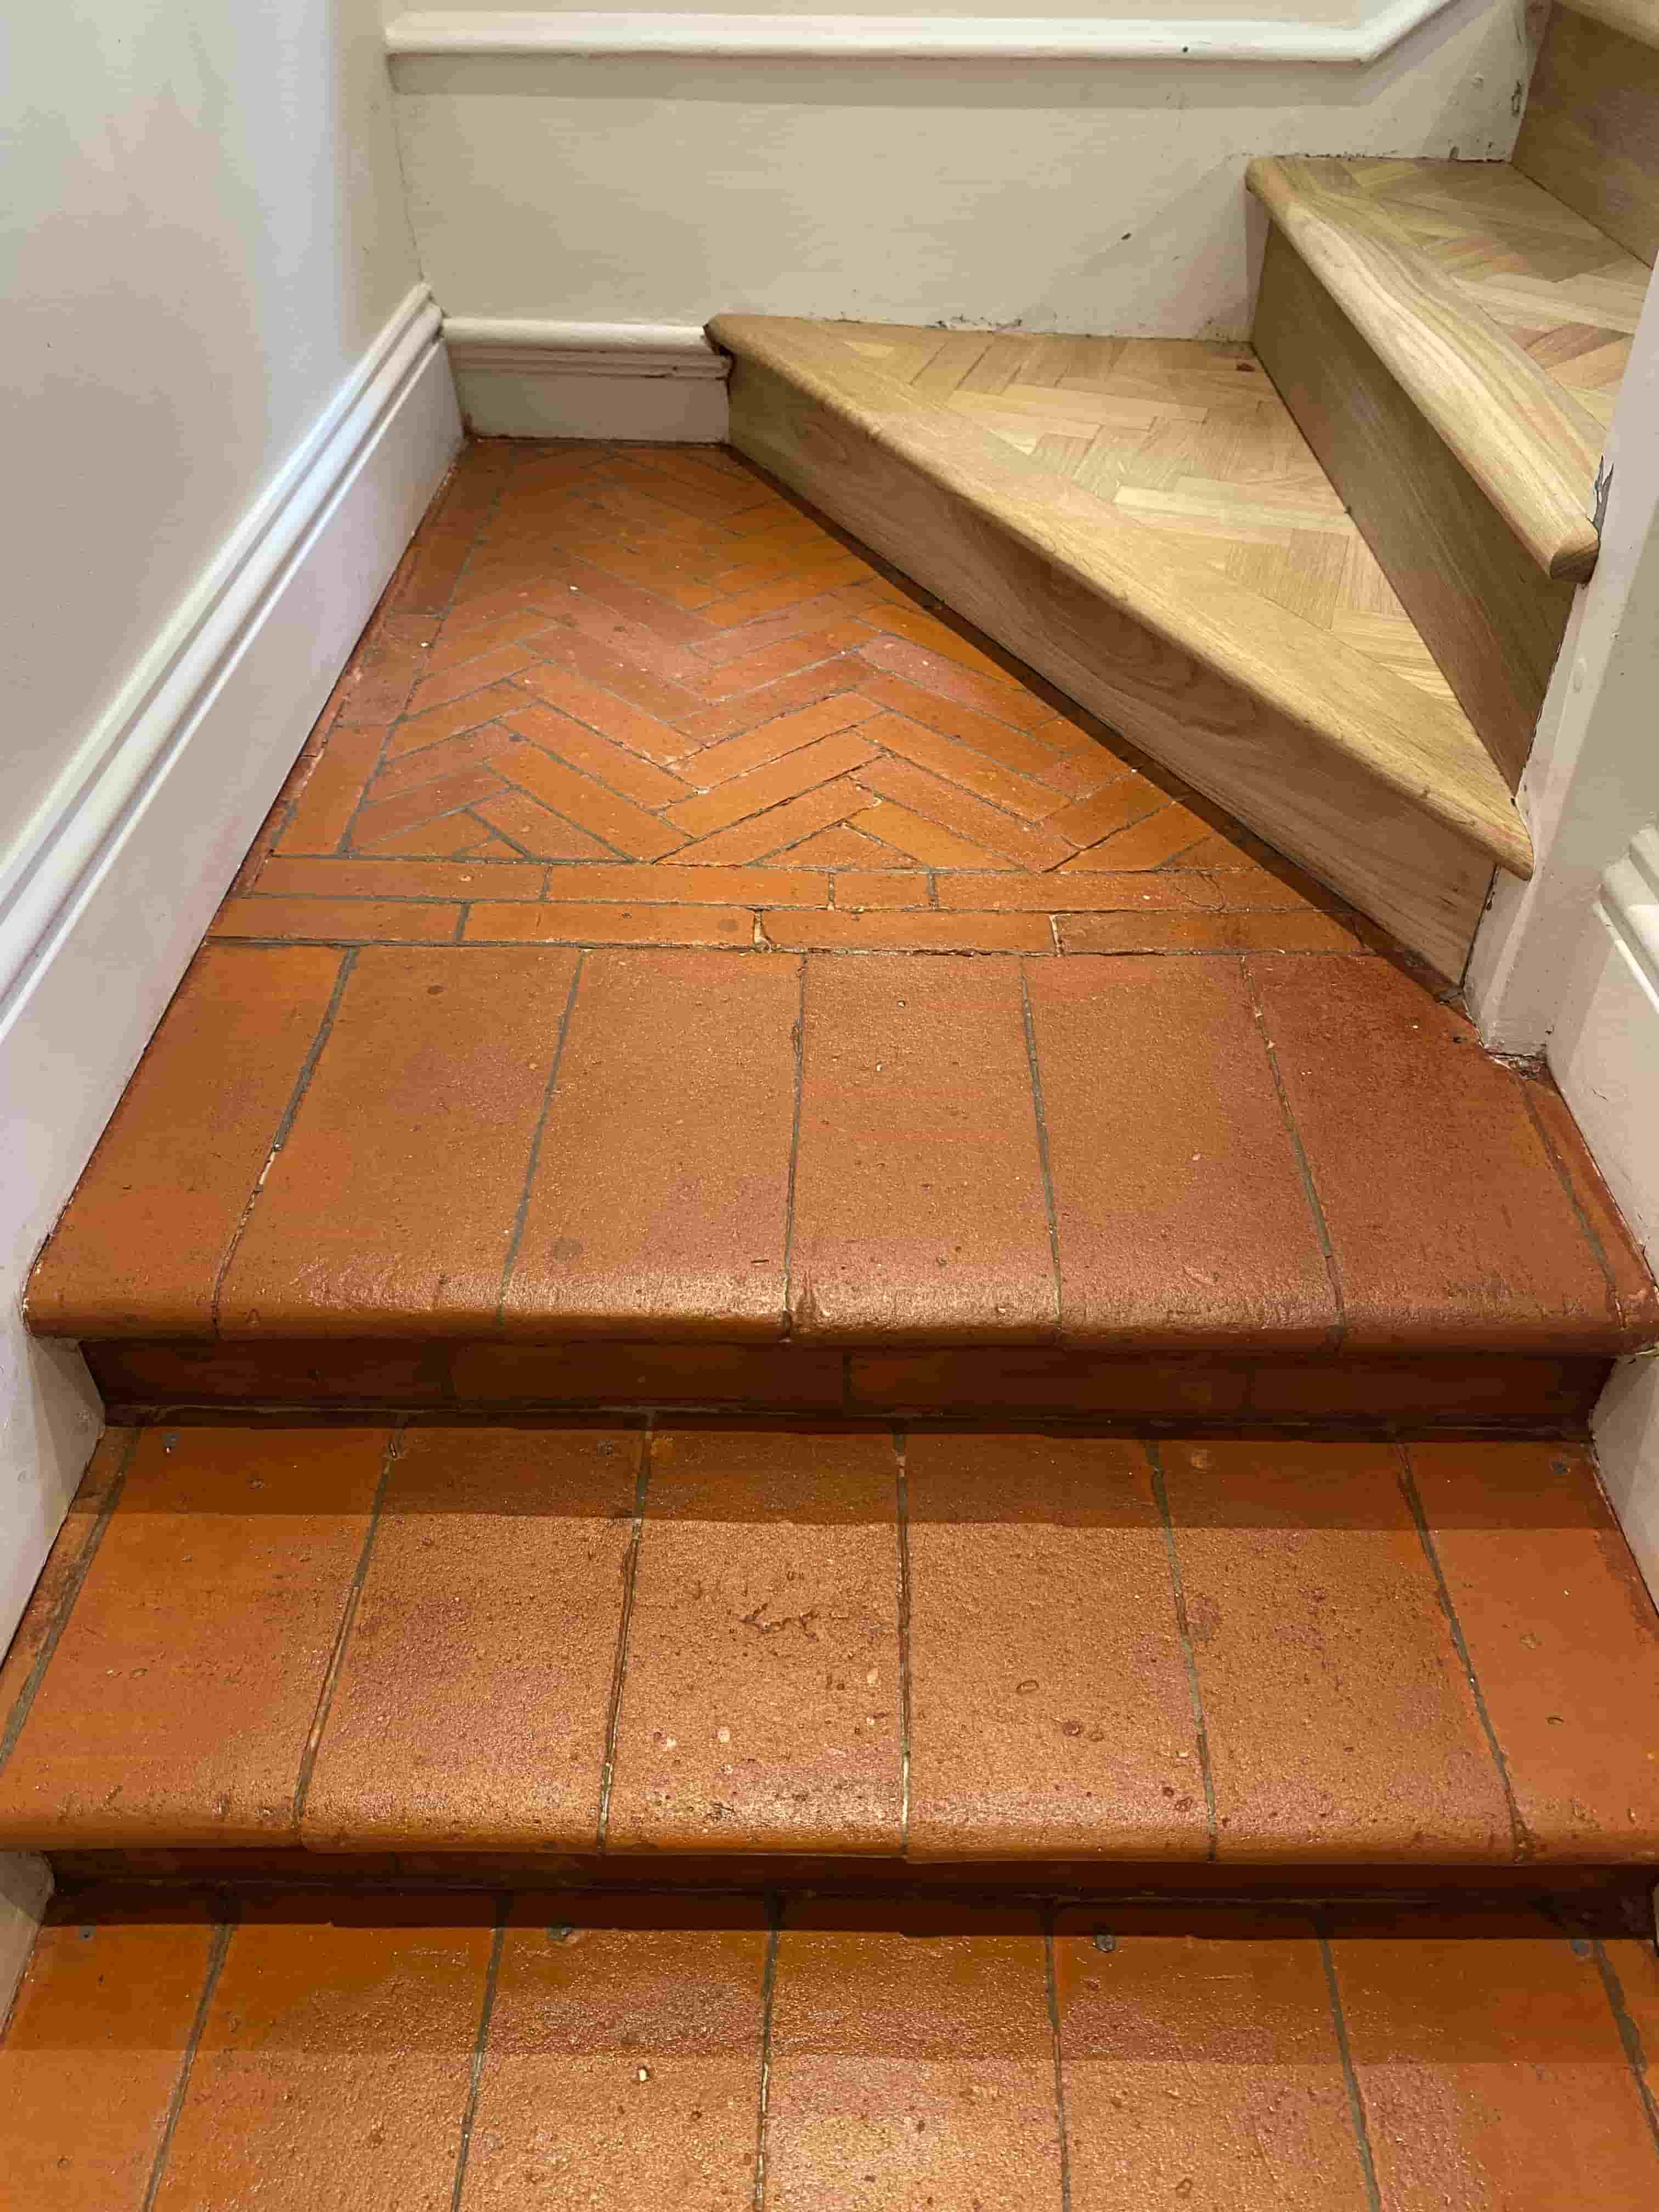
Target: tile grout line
x,y
91,1544
486,2013
1310,1188
221,1944
1521,1842
1629,2035
532,1161
1052,1985
1043,1142
769,1987
619,1664
389,1458
902,1484
1183,1629
1357,2114
794,1150
1587,1228
284,1126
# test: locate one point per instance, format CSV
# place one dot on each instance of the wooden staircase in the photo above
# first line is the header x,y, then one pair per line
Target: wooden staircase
x,y
848,1457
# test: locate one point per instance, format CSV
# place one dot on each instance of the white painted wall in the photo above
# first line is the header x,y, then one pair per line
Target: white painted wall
x,y
1104,196
225,410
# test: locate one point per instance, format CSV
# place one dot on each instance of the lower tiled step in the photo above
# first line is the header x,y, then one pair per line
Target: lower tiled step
x,y
172,2053
847,1646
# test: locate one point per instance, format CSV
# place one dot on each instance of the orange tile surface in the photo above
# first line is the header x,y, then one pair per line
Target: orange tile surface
x,y
636,710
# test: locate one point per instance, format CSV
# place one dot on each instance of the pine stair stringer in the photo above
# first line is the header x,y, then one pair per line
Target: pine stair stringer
x,y
1379,789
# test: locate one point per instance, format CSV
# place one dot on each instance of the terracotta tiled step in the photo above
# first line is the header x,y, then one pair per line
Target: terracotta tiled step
x,y
584,2048
593,1642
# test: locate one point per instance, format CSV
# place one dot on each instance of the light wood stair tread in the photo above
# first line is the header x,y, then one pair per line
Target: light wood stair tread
x,y
1167,569
1505,316
1637,19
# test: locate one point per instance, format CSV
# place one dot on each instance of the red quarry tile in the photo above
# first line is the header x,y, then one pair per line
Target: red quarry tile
x,y
1026,844
1143,930
610,763
1562,1636
911,931
1490,2065
623,2066
1633,1970
329,798
1449,1226
336,922
921,839
336,2056
779,829
455,1723
455,1049
1340,1721
707,725
1127,797
1043,1723
143,1240
1201,2063
1183,1218
799,771
635,883
402,879
1173,832
919,1196
783,734
1042,1379
604,813
662,1182
912,2065
932,671
1027,752
384,822
782,659
761,1701
335,1371
613,717
567,923
471,748
535,829
860,889
460,677
960,764
93,2051
789,1377
1181,889
178,1703
59,1579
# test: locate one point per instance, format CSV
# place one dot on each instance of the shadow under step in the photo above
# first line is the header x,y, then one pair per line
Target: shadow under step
x,y
704,1651
1241,634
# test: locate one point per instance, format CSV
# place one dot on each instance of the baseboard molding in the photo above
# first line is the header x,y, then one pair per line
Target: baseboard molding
x,y
108,893
649,382
458,33
25,1892
1625,1425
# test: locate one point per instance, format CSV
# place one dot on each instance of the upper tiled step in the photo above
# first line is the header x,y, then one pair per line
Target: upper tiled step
x,y
1505,317
463,1104
590,2049
625,1641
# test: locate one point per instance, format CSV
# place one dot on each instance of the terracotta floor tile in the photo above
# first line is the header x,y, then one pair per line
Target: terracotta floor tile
x,y
461,677
565,922
92,2054
782,734
912,2065
992,1381
1301,930
792,1378
1027,752
59,1579
1340,1722
1181,1209
1169,834
1632,1280
456,1047
779,829
918,1196
859,889
1026,844
470,1706
631,882
1562,1636
166,1188
1490,2067
402,879
178,1703
379,822
919,839
855,931
925,748
1633,1970
537,831
761,1699
336,922
662,1181
322,812
1044,1723
800,770
623,2066
626,827
612,717
337,2057
1126,799
444,756
1201,2065
930,671
1179,889
1449,1224
709,724
608,762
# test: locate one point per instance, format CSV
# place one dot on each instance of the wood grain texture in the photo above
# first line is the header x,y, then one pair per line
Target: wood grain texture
x,y
1590,132
1493,619
1637,19
1498,311
1326,754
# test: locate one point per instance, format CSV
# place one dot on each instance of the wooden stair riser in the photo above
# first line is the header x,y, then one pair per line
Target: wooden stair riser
x,y
1493,621
1590,132
1422,881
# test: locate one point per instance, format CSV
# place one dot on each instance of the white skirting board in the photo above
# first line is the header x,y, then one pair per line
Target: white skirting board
x,y
645,383
1604,1053
24,1891
109,893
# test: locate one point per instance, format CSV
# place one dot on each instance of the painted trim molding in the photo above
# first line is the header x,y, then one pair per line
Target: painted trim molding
x,y
460,32
652,383
112,886
546,349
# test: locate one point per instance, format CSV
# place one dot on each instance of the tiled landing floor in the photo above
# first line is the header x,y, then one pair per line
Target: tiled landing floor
x,y
935,1645
552,2049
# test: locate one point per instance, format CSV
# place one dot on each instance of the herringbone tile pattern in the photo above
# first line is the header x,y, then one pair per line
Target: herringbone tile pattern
x,y
1563,290
640,693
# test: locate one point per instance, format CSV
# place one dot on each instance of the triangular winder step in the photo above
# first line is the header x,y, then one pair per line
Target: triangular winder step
x,y
1143,523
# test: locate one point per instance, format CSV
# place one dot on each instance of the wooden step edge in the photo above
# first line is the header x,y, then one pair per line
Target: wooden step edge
x,y
1531,450
1422,749
1635,19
